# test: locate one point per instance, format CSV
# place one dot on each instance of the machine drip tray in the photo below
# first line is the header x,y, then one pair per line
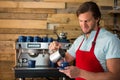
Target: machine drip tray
x,y
36,68
25,72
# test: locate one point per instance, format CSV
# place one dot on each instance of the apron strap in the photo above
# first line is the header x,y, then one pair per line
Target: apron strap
x,y
94,41
81,44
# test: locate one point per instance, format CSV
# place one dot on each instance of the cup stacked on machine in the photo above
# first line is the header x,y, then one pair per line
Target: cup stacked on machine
x,y
34,39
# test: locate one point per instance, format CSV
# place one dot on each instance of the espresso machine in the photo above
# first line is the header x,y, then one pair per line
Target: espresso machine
x,y
34,48
37,51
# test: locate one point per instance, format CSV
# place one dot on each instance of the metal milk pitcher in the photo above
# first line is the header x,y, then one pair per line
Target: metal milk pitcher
x,y
54,57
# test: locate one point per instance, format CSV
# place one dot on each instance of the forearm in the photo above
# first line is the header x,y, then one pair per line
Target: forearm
x,y
99,76
68,57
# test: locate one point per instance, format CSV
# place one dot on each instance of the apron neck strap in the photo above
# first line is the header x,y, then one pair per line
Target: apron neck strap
x,y
94,41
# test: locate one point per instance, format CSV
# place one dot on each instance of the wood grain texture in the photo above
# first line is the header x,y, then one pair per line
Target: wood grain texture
x,y
26,10
8,4
63,19
25,31
23,16
99,2
38,18
15,4
67,0
41,5
36,24
7,44
6,72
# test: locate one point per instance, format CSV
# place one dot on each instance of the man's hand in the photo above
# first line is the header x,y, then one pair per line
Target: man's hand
x,y
71,71
54,46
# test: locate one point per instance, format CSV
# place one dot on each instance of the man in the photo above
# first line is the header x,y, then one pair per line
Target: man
x,y
97,52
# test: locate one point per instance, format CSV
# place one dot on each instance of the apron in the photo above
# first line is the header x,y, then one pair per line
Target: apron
x,y
86,60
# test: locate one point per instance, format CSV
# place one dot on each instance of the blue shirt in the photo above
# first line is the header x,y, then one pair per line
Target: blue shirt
x,y
107,46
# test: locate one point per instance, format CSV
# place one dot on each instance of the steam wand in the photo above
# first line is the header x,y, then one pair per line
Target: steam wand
x,y
19,54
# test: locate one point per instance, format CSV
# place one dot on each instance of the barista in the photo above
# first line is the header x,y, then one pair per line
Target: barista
x,y
96,52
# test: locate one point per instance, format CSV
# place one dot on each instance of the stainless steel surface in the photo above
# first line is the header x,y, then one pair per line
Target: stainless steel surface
x,y
38,45
41,60
36,68
55,56
59,54
32,45
37,51
25,72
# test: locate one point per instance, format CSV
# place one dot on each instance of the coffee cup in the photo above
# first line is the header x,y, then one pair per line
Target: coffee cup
x,y
21,39
29,39
31,63
63,65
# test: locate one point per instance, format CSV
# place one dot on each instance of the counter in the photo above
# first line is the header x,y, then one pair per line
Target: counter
x,y
25,72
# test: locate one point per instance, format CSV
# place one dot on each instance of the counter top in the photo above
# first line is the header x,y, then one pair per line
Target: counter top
x,y
36,68
25,72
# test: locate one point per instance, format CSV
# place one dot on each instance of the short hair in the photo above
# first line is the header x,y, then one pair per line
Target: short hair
x,y
89,6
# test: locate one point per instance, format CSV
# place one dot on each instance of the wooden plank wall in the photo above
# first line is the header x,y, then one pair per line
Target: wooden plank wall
x,y
41,18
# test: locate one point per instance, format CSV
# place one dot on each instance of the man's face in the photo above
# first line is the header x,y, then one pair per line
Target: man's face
x,y
87,22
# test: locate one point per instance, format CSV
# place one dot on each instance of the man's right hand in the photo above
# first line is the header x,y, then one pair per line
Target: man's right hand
x,y
54,46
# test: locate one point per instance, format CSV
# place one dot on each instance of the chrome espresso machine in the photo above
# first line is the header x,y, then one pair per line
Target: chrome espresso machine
x,y
37,51
36,48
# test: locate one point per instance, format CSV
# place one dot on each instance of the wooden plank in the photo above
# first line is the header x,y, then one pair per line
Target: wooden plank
x,y
7,44
7,51
63,18
8,57
102,23
72,27
105,2
52,19
62,15
8,64
35,24
67,10
26,10
26,31
8,4
99,2
67,27
7,75
75,5
112,12
8,37
70,8
6,72
15,4
71,34
55,5
67,0
23,16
